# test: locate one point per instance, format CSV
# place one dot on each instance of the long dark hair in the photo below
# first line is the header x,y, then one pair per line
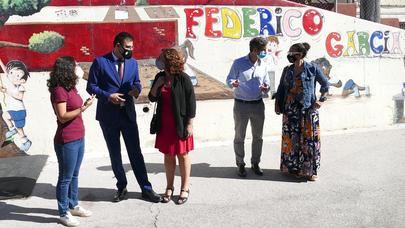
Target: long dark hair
x,y
63,74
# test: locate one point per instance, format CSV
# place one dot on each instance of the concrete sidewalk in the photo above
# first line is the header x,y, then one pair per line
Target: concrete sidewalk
x,y
361,185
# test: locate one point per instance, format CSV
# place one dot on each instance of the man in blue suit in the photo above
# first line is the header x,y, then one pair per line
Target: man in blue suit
x,y
114,79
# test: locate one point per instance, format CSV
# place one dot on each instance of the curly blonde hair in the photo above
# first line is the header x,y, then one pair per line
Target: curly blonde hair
x,y
174,60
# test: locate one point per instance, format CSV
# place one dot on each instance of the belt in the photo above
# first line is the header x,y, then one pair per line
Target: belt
x,y
249,102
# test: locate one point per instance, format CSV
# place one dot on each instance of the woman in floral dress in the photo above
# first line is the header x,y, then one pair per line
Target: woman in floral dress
x,y
296,100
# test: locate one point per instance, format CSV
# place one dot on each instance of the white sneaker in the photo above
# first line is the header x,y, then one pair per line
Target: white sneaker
x,y
69,220
80,211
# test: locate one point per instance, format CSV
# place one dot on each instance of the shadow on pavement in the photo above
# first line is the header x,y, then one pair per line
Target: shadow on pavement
x,y
207,171
47,191
204,170
17,213
18,175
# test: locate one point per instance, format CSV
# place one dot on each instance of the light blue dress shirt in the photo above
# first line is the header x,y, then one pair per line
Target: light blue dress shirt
x,y
251,76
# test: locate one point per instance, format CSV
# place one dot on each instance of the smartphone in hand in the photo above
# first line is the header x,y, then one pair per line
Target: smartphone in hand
x,y
134,92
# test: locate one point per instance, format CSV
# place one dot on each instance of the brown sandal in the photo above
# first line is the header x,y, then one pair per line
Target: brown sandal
x,y
166,198
183,200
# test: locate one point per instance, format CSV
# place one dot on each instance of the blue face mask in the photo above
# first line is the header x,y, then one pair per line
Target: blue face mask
x,y
261,54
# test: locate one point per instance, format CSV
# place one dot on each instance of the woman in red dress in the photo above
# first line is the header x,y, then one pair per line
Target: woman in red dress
x,y
174,93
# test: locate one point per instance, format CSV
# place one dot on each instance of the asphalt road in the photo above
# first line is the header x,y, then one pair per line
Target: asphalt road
x,y
361,184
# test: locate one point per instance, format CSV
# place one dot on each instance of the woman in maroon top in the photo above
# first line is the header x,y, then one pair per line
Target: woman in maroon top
x,y
69,138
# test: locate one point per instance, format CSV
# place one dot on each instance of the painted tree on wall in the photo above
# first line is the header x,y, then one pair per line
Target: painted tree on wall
x,y
142,2
19,7
43,42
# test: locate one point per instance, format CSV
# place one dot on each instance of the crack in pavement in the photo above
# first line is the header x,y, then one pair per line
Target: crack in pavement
x,y
155,214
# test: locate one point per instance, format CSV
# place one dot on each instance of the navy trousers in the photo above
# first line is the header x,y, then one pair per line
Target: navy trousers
x,y
129,131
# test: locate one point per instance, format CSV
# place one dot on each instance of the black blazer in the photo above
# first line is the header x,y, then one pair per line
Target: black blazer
x,y
183,101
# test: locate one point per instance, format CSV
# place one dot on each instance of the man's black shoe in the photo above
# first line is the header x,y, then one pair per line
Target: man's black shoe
x,y
151,196
241,171
256,168
120,195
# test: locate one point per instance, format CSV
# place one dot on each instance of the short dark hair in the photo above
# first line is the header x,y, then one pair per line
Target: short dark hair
x,y
19,65
120,37
258,43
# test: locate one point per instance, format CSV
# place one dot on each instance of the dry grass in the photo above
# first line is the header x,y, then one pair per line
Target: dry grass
x,y
207,88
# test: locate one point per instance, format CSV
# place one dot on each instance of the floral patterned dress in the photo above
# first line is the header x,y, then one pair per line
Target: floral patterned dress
x,y
300,147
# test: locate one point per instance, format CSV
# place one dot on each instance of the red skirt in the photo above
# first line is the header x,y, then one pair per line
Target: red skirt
x,y
167,140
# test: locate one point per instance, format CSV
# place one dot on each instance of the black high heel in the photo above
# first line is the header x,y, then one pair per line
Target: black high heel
x,y
183,200
167,198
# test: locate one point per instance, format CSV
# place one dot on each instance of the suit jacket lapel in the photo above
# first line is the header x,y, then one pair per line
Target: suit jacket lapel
x,y
113,69
128,68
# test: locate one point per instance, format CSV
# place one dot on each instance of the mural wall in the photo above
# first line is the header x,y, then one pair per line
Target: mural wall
x,y
362,59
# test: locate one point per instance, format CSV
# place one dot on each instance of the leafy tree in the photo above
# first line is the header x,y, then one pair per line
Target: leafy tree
x,y
20,7
44,42
141,2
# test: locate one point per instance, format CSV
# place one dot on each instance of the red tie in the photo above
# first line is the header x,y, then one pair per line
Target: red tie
x,y
121,69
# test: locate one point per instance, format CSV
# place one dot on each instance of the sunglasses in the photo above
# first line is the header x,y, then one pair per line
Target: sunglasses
x,y
294,53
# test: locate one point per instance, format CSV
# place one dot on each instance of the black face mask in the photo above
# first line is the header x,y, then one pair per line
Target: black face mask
x,y
291,58
127,54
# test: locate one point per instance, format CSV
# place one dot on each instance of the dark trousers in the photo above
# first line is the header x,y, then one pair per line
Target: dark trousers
x,y
129,131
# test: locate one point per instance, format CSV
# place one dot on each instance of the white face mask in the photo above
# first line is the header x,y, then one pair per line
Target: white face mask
x,y
159,63
79,71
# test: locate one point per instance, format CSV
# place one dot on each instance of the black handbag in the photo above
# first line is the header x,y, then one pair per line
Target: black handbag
x,y
153,122
281,94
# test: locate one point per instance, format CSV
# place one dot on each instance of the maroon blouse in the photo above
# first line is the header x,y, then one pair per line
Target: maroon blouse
x,y
73,129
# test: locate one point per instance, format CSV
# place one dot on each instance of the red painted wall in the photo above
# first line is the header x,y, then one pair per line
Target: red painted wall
x,y
225,2
89,2
175,2
97,37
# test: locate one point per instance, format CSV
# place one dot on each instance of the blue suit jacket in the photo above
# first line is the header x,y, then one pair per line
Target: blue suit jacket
x,y
104,80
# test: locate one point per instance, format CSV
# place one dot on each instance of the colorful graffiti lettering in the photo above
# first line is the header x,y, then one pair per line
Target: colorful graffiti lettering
x,y
270,23
376,43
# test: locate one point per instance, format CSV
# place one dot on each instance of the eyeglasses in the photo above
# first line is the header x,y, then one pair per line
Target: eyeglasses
x,y
127,47
131,48
294,53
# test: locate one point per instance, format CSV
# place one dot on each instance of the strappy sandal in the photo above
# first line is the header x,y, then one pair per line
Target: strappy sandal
x,y
183,200
166,198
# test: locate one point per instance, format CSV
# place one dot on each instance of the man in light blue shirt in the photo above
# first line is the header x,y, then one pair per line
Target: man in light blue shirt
x,y
250,80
